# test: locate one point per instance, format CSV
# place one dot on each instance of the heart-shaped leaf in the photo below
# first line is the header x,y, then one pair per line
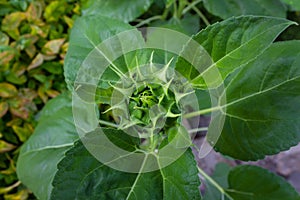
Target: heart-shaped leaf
x,y
262,115
231,44
93,180
53,136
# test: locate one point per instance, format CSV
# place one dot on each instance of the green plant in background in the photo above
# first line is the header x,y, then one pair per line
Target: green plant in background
x,y
33,44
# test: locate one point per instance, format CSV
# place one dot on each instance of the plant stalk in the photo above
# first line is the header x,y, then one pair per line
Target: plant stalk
x,y
201,112
213,182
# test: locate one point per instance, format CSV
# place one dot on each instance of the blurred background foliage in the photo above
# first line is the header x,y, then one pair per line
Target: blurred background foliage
x,y
33,43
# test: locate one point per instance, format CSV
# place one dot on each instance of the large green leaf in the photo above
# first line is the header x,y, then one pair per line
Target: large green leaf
x,y
39,156
118,9
81,176
84,42
247,182
229,8
255,183
262,115
232,44
84,39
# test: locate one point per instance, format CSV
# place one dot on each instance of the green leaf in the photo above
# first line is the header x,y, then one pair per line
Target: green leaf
x,y
117,9
54,11
169,3
255,183
11,23
3,108
262,115
229,8
220,176
189,24
81,176
83,40
7,90
248,182
53,136
53,67
4,39
5,146
295,4
231,44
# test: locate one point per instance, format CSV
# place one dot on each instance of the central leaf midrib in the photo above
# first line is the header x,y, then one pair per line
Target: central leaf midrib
x,y
137,177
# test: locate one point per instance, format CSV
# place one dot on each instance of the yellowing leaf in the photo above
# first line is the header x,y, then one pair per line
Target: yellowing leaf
x,y
6,56
22,105
42,94
64,49
77,9
7,90
5,147
20,195
52,93
26,40
4,190
42,31
18,69
31,50
3,108
34,11
54,11
52,47
14,122
11,22
4,39
49,57
69,21
37,61
23,133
